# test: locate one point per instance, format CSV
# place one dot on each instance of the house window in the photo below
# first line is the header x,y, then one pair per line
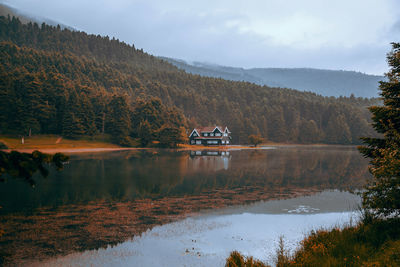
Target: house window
x,y
223,142
198,142
193,142
194,134
225,134
212,142
206,134
217,134
227,141
211,134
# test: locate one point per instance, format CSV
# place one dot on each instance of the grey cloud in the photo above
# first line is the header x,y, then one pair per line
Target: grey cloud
x,y
238,33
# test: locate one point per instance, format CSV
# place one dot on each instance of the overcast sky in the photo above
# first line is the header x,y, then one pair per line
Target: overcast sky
x,y
339,34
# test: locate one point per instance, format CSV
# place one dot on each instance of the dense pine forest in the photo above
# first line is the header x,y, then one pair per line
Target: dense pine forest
x,y
58,81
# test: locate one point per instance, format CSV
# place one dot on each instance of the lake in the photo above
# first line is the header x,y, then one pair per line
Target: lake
x,y
249,197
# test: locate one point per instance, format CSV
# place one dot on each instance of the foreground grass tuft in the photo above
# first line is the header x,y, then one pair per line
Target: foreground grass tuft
x,y
374,243
237,260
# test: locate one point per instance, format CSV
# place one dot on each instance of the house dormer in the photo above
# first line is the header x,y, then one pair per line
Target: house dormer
x,y
226,131
194,133
217,132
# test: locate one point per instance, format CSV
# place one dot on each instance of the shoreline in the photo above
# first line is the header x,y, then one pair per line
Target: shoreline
x,y
52,144
72,150
107,149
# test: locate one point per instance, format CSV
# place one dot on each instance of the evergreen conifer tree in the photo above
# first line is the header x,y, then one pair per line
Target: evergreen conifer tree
x,y
383,195
145,133
119,124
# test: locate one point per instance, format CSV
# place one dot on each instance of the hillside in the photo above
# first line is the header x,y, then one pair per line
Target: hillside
x,y
71,83
324,82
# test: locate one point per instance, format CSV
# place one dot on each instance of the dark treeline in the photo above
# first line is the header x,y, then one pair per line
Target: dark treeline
x,y
59,81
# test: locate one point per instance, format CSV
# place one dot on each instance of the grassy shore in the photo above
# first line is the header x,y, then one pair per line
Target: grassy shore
x,y
54,143
370,243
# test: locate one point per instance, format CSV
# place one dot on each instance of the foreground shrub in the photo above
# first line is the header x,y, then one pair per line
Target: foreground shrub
x,y
373,244
237,260
376,243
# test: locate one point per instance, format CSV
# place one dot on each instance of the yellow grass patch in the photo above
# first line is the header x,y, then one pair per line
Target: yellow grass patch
x,y
52,142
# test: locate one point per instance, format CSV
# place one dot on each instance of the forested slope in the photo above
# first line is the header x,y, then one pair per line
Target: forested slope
x,y
59,81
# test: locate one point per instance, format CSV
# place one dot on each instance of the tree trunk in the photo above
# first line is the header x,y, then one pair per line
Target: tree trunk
x,y
104,119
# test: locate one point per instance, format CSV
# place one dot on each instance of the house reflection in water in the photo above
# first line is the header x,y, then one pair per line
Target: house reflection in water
x,y
208,160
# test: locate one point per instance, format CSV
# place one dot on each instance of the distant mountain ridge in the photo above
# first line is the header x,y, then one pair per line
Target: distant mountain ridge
x,y
324,82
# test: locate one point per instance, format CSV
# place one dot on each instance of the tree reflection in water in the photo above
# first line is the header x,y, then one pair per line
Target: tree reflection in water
x,y
103,199
128,175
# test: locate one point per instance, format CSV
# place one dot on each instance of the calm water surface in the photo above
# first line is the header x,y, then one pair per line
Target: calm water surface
x,y
139,186
129,175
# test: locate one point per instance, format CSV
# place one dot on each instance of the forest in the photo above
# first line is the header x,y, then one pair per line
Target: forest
x,y
69,83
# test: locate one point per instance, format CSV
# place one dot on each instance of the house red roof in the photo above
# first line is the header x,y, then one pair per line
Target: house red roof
x,y
206,129
209,129
208,137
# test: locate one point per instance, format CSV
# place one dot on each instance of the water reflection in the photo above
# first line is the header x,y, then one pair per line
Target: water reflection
x,y
128,175
107,198
209,160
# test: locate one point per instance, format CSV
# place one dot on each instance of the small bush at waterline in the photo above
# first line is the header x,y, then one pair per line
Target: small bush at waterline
x,y
237,260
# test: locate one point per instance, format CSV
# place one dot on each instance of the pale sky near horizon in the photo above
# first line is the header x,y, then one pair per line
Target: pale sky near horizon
x,y
341,34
